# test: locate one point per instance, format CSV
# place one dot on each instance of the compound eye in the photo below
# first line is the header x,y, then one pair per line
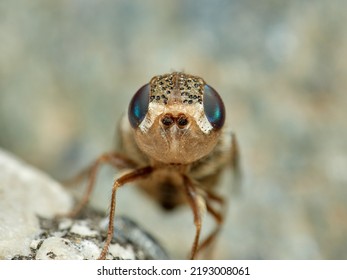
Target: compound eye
x,y
138,106
213,107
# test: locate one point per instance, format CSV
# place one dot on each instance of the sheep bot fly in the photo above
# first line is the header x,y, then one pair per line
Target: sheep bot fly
x,y
175,145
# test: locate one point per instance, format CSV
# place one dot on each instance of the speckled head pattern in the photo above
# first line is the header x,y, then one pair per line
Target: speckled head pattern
x,y
176,88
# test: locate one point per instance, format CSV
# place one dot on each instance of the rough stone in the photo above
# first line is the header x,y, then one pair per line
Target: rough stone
x,y
29,229
25,194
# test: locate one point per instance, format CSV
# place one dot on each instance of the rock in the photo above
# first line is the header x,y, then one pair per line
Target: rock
x,y
84,237
25,193
29,203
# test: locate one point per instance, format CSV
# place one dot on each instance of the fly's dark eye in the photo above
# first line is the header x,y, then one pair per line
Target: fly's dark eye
x,y
213,107
138,106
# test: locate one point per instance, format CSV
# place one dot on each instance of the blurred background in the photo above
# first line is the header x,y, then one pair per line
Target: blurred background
x,y
69,68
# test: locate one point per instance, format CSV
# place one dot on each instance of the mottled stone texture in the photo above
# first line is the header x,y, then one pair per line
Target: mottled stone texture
x,y
29,229
68,70
25,194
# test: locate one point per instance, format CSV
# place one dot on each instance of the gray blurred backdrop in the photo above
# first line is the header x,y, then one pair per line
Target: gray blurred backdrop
x,y
69,68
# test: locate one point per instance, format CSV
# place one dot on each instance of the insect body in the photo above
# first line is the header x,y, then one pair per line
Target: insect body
x,y
174,142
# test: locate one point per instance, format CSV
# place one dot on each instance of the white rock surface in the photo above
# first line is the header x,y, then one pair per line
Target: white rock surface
x,y
25,193
29,202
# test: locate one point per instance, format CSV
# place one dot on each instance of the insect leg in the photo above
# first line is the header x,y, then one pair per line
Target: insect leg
x,y
112,158
193,200
129,177
218,216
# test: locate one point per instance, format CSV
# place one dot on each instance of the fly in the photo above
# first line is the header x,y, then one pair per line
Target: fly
x,y
175,144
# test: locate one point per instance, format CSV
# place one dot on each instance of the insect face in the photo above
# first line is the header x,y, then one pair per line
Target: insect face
x,y
176,121
177,118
